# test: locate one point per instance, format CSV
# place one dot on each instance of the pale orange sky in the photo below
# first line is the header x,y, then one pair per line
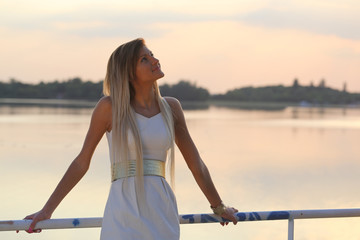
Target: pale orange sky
x,y
220,45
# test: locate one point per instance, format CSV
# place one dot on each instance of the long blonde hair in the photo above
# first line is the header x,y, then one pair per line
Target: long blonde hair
x,y
121,70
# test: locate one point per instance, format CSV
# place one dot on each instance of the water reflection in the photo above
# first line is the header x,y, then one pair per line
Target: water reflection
x,y
36,110
293,158
58,106
197,105
45,106
251,105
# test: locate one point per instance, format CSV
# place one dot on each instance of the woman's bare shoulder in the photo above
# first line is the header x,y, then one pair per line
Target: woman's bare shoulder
x,y
174,104
176,109
102,114
105,100
104,103
103,108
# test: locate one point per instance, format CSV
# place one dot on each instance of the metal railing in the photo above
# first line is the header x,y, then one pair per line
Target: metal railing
x,y
12,225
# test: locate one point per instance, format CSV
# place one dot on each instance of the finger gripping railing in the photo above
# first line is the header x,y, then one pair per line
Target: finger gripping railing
x,y
12,225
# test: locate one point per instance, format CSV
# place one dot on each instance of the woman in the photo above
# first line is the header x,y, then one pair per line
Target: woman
x,y
141,128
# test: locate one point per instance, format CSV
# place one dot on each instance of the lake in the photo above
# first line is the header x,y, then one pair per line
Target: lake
x,y
286,159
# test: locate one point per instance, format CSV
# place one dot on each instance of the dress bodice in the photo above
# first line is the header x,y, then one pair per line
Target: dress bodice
x,y
155,138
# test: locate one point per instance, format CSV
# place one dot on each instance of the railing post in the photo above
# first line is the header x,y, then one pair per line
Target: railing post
x,y
291,229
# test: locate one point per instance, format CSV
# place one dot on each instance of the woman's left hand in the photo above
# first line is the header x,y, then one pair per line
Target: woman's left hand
x,y
229,213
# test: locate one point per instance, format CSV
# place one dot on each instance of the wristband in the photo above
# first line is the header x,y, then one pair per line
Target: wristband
x,y
220,209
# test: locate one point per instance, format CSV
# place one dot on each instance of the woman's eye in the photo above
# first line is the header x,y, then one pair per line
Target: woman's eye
x,y
144,59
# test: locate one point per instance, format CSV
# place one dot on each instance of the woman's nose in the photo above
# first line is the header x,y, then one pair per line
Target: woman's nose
x,y
154,60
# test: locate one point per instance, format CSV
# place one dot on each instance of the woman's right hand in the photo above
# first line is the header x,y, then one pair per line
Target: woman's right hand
x,y
229,213
36,217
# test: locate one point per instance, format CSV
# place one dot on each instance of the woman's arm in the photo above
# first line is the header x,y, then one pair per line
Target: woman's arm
x,y
100,122
194,162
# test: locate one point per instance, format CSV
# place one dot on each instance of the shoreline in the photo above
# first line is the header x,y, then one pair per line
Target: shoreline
x,y
83,103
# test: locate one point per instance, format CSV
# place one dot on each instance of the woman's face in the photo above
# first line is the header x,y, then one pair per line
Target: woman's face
x,y
148,67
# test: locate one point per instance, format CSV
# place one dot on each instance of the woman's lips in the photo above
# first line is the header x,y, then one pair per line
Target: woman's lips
x,y
156,69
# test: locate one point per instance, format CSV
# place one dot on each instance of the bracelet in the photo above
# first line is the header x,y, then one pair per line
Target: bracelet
x,y
220,209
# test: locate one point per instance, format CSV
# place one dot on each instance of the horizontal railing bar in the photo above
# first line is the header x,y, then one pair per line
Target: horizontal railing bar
x,y
325,213
11,225
60,223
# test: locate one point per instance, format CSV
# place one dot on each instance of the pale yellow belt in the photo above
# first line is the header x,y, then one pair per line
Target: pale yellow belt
x,y
151,168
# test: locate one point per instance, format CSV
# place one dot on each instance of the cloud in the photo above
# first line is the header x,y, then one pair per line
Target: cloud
x,y
103,22
113,20
344,24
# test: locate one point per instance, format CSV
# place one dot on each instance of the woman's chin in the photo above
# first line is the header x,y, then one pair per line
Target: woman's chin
x,y
161,75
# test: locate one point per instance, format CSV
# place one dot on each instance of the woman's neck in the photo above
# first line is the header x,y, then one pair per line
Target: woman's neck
x,y
145,102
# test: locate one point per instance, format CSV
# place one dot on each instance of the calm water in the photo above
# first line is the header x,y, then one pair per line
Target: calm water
x,y
296,158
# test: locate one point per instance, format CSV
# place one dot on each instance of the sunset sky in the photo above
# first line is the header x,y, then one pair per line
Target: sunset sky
x,y
219,45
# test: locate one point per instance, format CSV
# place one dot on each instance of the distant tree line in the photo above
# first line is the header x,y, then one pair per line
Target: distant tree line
x,y
293,94
185,91
77,89
72,89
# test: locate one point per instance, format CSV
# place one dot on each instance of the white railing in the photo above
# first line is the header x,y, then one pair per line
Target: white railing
x,y
12,225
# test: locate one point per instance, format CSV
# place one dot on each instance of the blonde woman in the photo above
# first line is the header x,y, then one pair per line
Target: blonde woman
x,y
141,128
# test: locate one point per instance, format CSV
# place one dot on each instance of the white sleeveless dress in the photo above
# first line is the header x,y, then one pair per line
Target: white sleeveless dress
x,y
122,220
